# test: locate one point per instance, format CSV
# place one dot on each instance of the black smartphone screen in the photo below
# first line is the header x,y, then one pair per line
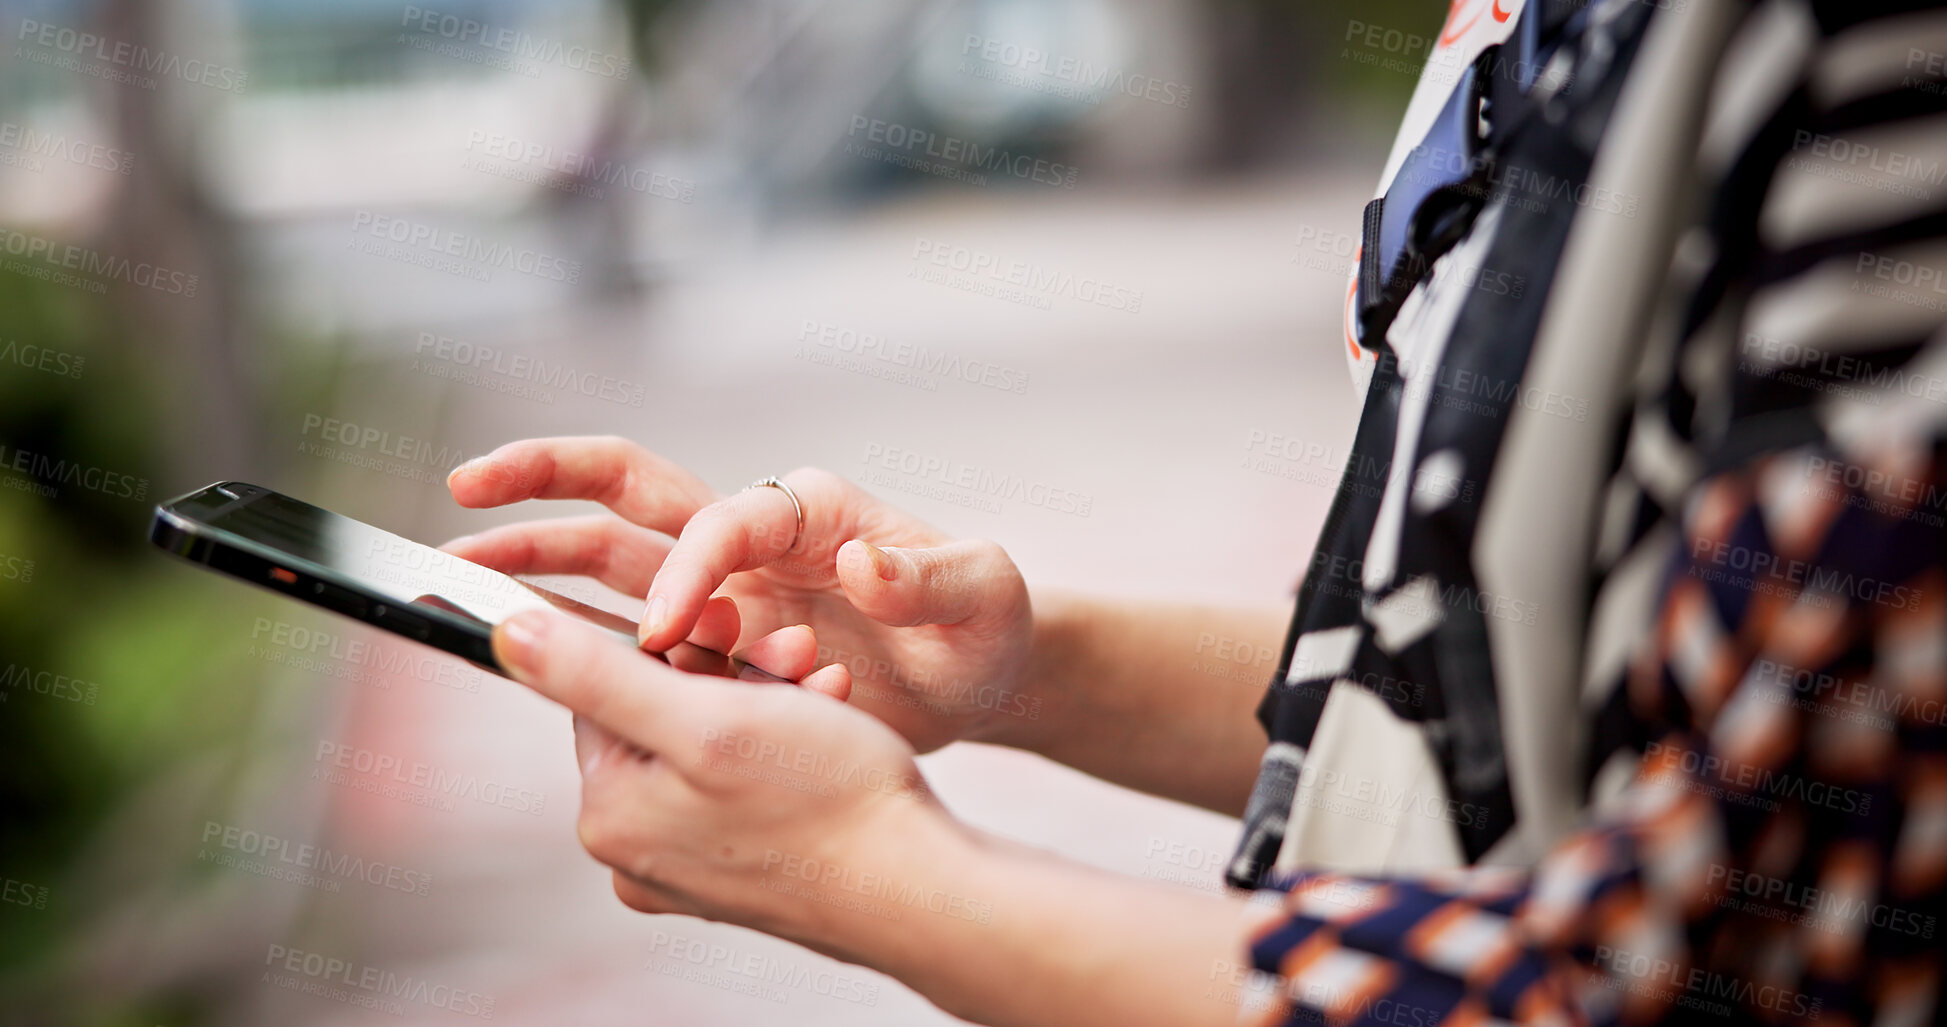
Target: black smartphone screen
x,y
408,572
374,575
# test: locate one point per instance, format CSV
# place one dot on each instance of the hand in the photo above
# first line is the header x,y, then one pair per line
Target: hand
x,y
780,809
934,631
752,804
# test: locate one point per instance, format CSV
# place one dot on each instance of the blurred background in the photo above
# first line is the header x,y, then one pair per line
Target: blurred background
x,y
336,248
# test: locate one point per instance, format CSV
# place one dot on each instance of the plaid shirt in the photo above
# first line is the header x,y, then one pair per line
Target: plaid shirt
x,y
1782,854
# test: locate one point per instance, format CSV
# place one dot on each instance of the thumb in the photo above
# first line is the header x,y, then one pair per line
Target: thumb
x,y
638,700
939,585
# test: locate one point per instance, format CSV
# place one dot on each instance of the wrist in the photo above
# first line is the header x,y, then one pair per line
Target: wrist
x,y
893,886
1072,943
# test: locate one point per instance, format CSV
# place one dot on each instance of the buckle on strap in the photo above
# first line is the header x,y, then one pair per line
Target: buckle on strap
x,y
1445,182
1439,190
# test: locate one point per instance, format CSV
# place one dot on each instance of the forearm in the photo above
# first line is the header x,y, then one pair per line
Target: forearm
x,y
1157,697
1053,942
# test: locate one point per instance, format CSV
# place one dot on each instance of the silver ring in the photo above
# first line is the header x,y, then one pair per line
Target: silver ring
x,y
796,507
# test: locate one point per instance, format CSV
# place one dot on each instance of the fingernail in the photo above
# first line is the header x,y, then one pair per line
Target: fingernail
x,y
468,466
881,562
452,542
652,619
517,641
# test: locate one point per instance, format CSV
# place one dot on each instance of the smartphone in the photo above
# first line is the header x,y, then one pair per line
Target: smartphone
x,y
350,567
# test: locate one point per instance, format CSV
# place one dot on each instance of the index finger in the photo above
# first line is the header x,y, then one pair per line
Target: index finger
x,y
757,527
615,472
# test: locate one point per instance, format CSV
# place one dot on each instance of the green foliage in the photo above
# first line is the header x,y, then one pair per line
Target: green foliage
x,y
106,675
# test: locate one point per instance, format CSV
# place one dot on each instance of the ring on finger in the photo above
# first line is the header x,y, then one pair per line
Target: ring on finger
x,y
773,481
